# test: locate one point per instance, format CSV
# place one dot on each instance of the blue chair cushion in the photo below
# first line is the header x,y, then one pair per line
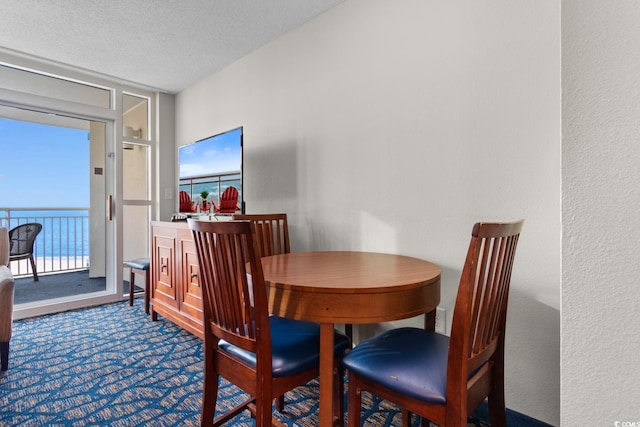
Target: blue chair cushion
x,y
295,346
139,263
410,361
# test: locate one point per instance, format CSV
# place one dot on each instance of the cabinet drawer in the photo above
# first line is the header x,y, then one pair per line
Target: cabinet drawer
x,y
163,268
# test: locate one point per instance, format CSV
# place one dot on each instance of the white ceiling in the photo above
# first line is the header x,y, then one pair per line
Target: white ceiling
x,y
162,44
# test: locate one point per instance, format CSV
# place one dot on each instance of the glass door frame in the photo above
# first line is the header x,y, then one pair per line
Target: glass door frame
x,y
112,117
49,106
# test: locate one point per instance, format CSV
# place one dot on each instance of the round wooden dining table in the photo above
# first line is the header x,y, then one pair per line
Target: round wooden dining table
x,y
351,288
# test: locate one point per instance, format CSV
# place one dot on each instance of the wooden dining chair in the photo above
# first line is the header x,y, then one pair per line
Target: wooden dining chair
x,y
263,355
272,232
444,379
272,237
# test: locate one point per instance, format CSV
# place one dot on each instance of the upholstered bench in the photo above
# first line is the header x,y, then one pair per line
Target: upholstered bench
x,y
140,266
6,300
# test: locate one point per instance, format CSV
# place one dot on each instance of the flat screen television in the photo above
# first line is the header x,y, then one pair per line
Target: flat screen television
x,y
212,164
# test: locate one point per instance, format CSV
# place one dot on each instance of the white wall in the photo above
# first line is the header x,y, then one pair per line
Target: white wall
x,y
167,185
394,126
601,201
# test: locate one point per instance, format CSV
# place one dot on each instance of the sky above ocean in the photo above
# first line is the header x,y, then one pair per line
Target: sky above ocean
x,y
43,166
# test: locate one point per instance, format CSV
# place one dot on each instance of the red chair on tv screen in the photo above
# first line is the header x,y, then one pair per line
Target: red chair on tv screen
x,y
228,202
186,205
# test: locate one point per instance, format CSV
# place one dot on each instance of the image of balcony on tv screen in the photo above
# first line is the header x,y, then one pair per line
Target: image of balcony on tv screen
x,y
211,174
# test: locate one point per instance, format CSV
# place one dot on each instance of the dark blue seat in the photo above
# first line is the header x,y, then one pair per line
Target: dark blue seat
x,y
139,263
295,346
410,361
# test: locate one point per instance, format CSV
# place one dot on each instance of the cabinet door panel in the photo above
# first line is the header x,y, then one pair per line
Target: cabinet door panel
x,y
164,276
191,292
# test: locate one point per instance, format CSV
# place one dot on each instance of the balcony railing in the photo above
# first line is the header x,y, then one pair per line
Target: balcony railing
x,y
63,243
215,184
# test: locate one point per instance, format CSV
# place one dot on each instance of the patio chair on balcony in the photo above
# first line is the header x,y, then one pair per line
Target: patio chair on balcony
x,y
228,202
21,239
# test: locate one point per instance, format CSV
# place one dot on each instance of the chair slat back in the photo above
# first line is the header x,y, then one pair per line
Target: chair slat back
x,y
23,237
481,305
234,305
272,232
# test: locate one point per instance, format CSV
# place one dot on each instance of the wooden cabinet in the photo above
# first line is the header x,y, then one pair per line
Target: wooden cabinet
x,y
175,291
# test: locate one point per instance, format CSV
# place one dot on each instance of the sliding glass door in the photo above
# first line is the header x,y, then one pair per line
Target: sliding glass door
x,y
104,177
54,174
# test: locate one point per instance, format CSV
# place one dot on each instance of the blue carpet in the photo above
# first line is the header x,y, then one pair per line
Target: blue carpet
x,y
111,366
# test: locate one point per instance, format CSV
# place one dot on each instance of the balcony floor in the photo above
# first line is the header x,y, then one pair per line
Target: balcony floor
x,y
58,285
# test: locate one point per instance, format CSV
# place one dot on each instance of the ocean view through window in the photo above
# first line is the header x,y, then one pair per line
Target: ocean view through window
x,y
44,178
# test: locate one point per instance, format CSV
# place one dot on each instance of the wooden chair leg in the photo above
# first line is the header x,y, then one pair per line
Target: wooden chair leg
x,y
348,331
4,356
210,389
497,408
354,408
264,416
338,394
406,418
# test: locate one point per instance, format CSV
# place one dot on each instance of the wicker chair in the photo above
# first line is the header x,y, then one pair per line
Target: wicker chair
x,y
22,239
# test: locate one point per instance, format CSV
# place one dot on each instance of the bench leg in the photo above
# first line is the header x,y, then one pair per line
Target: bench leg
x,y
147,290
4,356
147,287
132,282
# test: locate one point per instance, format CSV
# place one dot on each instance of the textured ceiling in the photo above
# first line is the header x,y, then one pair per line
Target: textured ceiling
x,y
163,44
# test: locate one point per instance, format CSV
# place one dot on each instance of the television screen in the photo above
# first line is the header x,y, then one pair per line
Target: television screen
x,y
207,168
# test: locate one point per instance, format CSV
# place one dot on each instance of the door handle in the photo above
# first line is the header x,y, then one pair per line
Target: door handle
x,y
110,208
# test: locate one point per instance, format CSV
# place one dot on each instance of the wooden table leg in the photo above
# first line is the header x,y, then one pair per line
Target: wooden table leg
x,y
430,320
326,374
